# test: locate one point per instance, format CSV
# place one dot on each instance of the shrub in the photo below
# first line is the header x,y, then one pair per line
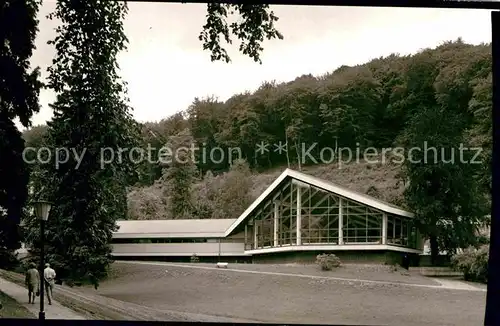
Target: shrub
x,y
8,259
327,261
473,263
195,259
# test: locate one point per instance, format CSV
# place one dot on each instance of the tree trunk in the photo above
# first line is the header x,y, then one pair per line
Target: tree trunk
x,y
255,159
434,250
298,154
287,156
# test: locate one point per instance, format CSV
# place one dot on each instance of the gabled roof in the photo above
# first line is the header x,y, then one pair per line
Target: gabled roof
x,y
325,185
199,228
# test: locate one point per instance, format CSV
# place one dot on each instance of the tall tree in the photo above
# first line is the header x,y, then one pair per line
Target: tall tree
x,y
13,188
19,90
443,192
180,169
205,117
153,137
241,127
93,122
296,106
481,132
349,101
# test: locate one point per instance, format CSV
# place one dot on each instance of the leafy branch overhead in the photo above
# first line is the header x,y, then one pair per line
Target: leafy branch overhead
x,y
256,24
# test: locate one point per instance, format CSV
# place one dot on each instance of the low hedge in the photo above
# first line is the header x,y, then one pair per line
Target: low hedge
x,y
473,263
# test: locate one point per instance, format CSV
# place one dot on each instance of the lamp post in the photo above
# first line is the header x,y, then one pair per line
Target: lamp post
x,y
42,209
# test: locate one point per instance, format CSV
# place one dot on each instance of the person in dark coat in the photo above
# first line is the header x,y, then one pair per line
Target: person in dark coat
x,y
32,282
406,261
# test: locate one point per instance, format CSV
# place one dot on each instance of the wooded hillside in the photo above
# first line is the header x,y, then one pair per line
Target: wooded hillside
x,y
373,104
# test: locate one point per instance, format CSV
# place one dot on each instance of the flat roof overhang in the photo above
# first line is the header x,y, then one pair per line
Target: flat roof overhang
x,y
193,235
348,247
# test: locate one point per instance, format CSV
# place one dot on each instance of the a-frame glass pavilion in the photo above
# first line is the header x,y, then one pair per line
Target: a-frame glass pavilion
x,y
300,210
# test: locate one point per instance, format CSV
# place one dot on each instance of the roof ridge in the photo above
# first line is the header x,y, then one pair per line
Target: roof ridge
x,y
347,189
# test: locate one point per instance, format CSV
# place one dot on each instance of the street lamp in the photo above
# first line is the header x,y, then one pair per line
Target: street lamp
x,y
42,210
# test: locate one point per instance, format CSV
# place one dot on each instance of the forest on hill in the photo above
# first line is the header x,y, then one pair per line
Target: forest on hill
x,y
389,102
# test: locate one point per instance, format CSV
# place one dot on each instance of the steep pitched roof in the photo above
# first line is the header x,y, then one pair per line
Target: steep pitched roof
x,y
322,184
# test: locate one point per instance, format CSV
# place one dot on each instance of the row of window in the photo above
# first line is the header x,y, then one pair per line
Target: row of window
x,y
157,240
357,228
399,237
171,240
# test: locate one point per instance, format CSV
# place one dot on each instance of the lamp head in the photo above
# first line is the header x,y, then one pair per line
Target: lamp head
x,y
42,209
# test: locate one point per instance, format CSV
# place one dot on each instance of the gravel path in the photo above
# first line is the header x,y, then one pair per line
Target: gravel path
x,y
291,299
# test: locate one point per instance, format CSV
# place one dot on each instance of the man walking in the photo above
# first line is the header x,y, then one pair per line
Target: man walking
x,y
49,276
32,281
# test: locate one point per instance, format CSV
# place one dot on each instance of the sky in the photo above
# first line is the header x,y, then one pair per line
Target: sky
x,y
166,67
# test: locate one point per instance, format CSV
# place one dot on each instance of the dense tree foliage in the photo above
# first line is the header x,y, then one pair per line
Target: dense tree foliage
x,y
19,89
225,195
233,195
179,173
87,181
93,122
443,192
370,104
366,105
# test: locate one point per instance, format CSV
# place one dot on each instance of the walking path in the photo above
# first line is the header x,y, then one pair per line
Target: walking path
x,y
442,284
457,285
20,294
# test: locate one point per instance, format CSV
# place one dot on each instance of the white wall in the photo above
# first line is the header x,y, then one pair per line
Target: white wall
x,y
178,249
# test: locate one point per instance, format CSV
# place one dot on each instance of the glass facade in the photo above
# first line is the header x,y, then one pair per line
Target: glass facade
x,y
401,232
324,218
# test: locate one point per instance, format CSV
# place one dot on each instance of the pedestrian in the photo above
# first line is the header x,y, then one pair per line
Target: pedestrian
x,y
406,261
49,276
32,282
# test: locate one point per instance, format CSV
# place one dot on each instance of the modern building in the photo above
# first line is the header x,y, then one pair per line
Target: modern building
x,y
177,239
297,217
